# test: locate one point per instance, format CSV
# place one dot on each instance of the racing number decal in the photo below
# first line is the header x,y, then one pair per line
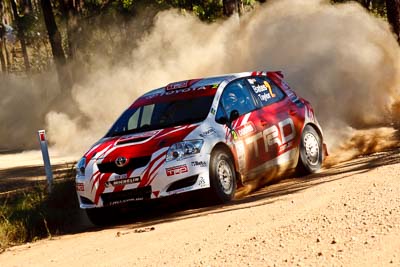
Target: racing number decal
x,y
269,88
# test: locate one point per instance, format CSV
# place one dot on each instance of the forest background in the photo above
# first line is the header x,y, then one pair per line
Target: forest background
x,y
48,44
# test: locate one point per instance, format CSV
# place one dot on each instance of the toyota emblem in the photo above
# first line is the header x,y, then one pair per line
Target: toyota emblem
x,y
121,161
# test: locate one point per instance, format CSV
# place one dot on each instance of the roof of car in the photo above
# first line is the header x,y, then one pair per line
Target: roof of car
x,y
194,87
206,81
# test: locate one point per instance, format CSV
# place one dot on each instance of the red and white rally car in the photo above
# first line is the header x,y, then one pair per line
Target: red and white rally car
x,y
212,133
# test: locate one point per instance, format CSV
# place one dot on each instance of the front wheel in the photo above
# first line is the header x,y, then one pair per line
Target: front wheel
x,y
222,176
310,158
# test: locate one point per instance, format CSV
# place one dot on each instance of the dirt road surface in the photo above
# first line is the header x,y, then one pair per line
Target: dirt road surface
x,y
348,215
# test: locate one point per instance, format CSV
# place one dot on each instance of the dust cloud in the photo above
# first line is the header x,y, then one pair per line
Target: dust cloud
x,y
24,103
345,61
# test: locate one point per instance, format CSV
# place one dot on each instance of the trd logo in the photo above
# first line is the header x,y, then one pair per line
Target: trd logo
x,y
176,170
271,136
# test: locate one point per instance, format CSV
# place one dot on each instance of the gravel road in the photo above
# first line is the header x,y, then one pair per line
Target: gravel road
x,y
348,215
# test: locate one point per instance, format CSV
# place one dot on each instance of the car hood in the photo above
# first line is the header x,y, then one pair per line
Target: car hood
x,y
138,144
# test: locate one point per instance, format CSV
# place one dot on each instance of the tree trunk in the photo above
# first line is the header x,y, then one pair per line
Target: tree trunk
x,y
2,59
21,36
8,60
230,7
2,40
393,15
64,75
69,10
366,3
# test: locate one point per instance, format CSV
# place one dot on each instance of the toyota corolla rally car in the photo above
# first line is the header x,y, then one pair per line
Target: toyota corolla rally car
x,y
212,133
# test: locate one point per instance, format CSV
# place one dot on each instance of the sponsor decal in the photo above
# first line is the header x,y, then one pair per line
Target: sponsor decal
x,y
274,135
80,187
126,181
264,97
177,85
246,129
311,114
176,91
176,170
251,81
259,88
199,164
213,111
116,202
208,132
202,183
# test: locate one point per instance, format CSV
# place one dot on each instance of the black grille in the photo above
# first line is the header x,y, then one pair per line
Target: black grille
x,y
142,193
183,183
133,163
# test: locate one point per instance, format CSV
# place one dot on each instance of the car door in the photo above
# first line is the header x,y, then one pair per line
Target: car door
x,y
276,118
243,133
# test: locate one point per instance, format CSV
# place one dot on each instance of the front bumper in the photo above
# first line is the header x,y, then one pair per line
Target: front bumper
x,y
157,179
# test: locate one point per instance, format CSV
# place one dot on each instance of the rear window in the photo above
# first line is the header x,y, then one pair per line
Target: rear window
x,y
265,90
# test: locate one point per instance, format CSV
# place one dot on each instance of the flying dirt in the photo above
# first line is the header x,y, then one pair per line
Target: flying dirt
x,y
341,58
344,60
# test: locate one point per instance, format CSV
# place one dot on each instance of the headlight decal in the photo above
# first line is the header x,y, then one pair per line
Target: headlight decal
x,y
80,167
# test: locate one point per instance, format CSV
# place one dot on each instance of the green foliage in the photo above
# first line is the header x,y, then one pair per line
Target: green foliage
x,y
208,10
127,4
35,214
105,26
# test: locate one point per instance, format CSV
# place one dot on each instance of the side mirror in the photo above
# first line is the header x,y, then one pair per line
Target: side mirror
x,y
234,115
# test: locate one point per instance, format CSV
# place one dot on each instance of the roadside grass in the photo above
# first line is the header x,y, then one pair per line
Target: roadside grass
x,y
34,214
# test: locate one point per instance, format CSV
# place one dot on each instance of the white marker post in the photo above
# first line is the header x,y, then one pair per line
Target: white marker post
x,y
46,158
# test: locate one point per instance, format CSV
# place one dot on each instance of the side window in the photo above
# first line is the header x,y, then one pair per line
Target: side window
x,y
266,91
133,120
146,116
236,96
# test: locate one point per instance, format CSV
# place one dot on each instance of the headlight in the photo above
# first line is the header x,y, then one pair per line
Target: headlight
x,y
80,167
184,149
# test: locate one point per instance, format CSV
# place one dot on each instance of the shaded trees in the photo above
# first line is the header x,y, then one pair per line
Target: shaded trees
x,y
232,6
56,47
71,11
107,27
2,39
2,58
21,32
393,16
389,9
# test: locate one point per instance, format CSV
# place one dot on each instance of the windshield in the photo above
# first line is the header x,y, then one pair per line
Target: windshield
x,y
162,115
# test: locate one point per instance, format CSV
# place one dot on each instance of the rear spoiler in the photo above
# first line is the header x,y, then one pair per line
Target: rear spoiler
x,y
278,74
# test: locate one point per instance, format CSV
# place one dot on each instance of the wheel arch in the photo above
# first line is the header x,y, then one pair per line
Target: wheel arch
x,y
227,149
316,128
302,167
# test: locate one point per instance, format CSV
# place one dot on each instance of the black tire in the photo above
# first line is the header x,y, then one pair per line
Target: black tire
x,y
310,156
102,216
222,177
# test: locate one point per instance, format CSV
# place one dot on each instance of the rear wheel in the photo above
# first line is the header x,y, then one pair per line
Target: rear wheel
x,y
310,158
222,176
